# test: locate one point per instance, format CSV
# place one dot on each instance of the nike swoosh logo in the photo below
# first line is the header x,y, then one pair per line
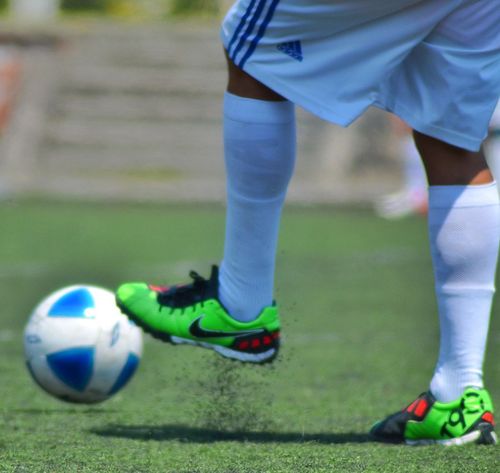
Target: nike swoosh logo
x,y
196,330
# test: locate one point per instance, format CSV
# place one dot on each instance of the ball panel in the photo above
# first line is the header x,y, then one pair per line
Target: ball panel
x,y
127,372
73,304
73,366
47,379
43,308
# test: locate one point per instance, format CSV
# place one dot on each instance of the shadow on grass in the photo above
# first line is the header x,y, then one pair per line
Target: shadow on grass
x,y
184,433
62,410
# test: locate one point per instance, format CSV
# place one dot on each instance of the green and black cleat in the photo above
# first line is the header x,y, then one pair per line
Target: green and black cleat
x,y
192,314
426,421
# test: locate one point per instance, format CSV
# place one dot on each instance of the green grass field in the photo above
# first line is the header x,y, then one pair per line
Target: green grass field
x,y
360,341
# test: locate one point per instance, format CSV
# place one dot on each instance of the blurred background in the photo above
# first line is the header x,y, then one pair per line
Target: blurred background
x,y
121,99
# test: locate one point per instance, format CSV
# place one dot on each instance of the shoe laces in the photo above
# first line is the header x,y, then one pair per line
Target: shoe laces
x,y
186,295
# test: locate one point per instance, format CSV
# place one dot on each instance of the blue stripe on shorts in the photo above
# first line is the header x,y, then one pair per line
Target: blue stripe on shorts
x,y
260,33
259,11
241,24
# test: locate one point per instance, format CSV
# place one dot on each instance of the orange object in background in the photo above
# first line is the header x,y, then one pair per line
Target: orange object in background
x,y
10,77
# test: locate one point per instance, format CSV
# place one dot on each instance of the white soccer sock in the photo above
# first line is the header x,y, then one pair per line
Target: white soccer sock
x,y
259,144
464,231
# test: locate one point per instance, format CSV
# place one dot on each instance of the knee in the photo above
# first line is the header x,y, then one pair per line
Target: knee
x,y
446,164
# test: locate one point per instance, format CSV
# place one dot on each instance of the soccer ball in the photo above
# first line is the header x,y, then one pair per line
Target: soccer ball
x,y
79,347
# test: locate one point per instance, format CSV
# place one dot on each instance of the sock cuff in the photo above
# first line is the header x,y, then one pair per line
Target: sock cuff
x,y
463,196
248,110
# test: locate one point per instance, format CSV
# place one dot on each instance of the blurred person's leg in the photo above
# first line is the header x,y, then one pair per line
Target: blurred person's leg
x,y
10,77
492,145
492,153
412,197
416,179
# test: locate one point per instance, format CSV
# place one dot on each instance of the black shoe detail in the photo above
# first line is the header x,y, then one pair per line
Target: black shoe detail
x,y
200,290
392,428
488,436
486,426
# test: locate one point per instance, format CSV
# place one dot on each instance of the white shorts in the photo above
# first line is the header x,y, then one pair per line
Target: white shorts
x,y
435,63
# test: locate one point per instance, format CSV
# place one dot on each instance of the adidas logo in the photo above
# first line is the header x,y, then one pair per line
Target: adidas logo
x,y
292,49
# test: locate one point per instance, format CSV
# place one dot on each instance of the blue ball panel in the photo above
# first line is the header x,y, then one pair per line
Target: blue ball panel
x,y
126,373
72,304
73,367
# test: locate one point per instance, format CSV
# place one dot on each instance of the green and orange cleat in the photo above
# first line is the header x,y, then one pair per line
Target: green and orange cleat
x,y
426,421
192,314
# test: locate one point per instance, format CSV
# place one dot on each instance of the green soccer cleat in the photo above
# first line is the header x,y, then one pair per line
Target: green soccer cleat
x,y
192,314
426,421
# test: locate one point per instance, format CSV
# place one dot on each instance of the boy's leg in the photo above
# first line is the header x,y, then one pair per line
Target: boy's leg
x,y
412,198
244,85
234,313
259,149
464,231
464,226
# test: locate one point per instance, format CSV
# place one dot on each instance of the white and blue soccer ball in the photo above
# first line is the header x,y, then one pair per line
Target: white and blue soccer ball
x,y
79,347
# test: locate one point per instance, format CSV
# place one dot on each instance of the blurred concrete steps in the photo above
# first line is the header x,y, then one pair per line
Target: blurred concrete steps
x,y
178,80
134,112
139,107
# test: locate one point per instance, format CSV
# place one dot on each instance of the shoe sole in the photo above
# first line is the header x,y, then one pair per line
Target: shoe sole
x,y
256,358
259,358
483,435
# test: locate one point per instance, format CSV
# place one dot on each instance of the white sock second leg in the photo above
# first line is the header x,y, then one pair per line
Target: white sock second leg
x,y
464,229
